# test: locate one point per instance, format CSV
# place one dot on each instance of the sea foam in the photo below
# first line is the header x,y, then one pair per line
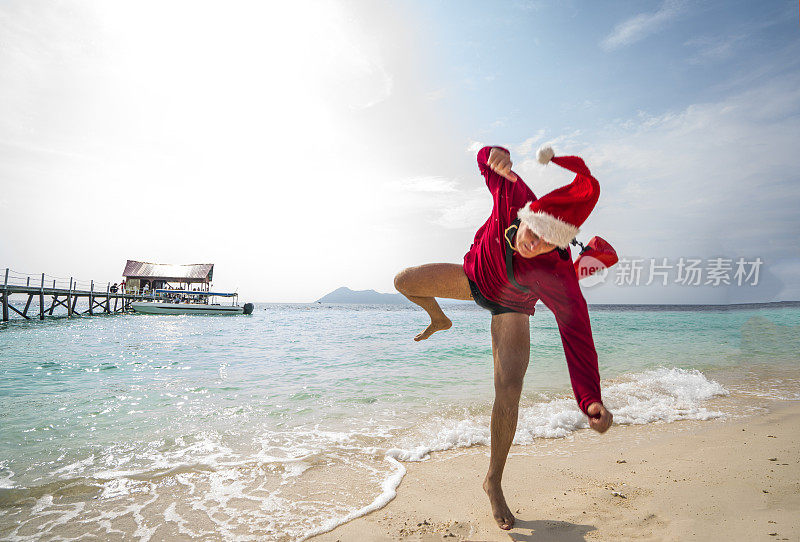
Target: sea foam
x,y
658,395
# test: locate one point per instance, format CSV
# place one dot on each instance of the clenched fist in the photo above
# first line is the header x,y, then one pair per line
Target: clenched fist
x,y
600,419
500,162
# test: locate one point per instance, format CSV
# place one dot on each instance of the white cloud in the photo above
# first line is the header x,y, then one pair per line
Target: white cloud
x,y
788,272
436,95
378,88
426,184
529,5
468,214
640,26
565,143
474,147
527,146
714,49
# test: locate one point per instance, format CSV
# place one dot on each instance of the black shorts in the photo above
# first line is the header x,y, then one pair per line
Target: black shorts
x,y
490,306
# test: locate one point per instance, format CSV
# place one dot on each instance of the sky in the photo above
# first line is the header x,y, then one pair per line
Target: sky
x,y
303,146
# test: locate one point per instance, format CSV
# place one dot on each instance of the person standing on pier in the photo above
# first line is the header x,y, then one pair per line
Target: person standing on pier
x,y
519,256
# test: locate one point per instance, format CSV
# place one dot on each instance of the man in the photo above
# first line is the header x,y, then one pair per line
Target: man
x,y
519,256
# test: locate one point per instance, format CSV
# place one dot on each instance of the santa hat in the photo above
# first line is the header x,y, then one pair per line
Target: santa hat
x,y
556,217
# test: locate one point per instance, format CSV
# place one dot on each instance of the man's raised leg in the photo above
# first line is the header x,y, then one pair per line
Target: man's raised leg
x,y
511,348
424,283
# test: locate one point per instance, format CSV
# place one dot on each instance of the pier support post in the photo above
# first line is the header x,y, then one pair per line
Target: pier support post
x,y
27,306
69,299
55,298
91,299
41,299
108,298
5,297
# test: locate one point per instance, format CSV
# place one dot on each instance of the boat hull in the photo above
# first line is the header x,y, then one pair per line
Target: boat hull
x,y
146,307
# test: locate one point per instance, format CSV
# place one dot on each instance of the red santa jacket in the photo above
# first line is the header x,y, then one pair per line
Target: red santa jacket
x,y
548,277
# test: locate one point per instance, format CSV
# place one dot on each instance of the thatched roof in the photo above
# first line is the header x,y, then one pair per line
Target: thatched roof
x,y
198,272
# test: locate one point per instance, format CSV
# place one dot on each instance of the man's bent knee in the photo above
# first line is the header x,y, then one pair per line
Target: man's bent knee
x,y
401,280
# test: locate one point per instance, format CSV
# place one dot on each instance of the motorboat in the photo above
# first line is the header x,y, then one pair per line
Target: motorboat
x,y
167,301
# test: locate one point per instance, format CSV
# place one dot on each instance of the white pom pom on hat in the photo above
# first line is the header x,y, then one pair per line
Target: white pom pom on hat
x,y
545,154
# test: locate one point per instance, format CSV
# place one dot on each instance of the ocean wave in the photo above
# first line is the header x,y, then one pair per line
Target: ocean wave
x,y
659,395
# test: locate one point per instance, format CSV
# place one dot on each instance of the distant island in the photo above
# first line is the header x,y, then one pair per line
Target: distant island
x,y
371,297
364,297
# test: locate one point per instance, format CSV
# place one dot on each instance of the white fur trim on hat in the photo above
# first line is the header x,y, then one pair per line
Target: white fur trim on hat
x,y
545,154
551,229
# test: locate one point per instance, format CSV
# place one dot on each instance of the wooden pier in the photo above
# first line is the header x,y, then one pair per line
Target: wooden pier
x,y
60,293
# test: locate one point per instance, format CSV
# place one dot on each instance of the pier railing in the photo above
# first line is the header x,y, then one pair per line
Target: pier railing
x,y
64,293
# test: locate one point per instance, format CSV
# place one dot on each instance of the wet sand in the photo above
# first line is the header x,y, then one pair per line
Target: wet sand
x,y
736,478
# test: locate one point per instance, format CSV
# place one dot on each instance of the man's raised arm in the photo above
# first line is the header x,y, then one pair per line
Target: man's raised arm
x,y
495,165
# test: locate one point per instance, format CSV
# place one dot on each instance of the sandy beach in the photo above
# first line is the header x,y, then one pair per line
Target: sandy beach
x,y
736,478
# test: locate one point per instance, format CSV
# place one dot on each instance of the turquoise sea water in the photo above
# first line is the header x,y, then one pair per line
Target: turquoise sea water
x,y
278,425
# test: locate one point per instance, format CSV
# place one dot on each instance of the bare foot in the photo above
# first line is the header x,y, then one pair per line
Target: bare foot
x,y
502,514
436,325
